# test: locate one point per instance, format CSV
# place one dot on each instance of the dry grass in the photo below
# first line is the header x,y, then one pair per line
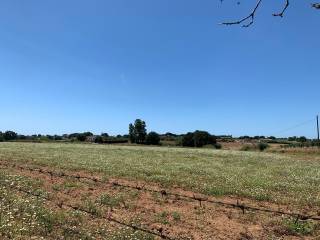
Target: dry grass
x,y
260,176
36,204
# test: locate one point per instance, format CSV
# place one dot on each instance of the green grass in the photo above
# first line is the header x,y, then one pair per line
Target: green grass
x,y
297,227
261,176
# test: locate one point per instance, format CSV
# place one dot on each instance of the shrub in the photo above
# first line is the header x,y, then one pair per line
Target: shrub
x,y
246,147
99,139
253,147
263,146
153,138
217,146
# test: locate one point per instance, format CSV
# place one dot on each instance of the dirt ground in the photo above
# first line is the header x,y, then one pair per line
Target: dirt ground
x,y
182,215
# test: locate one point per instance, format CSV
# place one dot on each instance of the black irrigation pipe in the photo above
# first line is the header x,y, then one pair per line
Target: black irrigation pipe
x,y
109,218
237,205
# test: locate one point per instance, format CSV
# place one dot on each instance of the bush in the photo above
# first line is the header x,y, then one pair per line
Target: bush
x,y
253,147
246,147
263,146
153,138
217,146
99,139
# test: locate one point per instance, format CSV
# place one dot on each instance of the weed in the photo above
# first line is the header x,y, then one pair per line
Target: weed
x,y
162,218
57,187
176,216
298,227
110,201
91,207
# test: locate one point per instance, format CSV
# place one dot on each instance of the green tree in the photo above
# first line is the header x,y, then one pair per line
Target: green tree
x,y
202,138
132,136
198,139
99,139
81,137
153,138
88,134
10,135
302,139
137,131
140,131
188,140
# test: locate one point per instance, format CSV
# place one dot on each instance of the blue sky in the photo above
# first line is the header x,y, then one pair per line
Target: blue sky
x,y
78,65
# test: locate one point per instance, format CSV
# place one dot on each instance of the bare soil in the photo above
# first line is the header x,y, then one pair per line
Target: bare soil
x,y
172,215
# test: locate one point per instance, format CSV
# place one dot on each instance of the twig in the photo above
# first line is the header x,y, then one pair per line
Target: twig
x,y
283,10
250,16
315,5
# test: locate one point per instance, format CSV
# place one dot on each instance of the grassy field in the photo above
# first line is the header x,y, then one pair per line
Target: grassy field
x,y
260,176
41,206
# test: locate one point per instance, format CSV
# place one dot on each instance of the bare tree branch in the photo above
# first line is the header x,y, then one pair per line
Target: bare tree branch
x,y
250,16
283,10
316,5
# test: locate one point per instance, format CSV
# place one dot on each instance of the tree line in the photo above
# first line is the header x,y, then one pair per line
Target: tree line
x,y
138,134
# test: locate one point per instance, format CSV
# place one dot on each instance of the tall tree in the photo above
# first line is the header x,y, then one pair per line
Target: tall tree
x,y
132,136
140,131
137,131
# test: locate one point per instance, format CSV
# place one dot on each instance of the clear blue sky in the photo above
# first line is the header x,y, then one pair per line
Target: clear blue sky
x,y
96,65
